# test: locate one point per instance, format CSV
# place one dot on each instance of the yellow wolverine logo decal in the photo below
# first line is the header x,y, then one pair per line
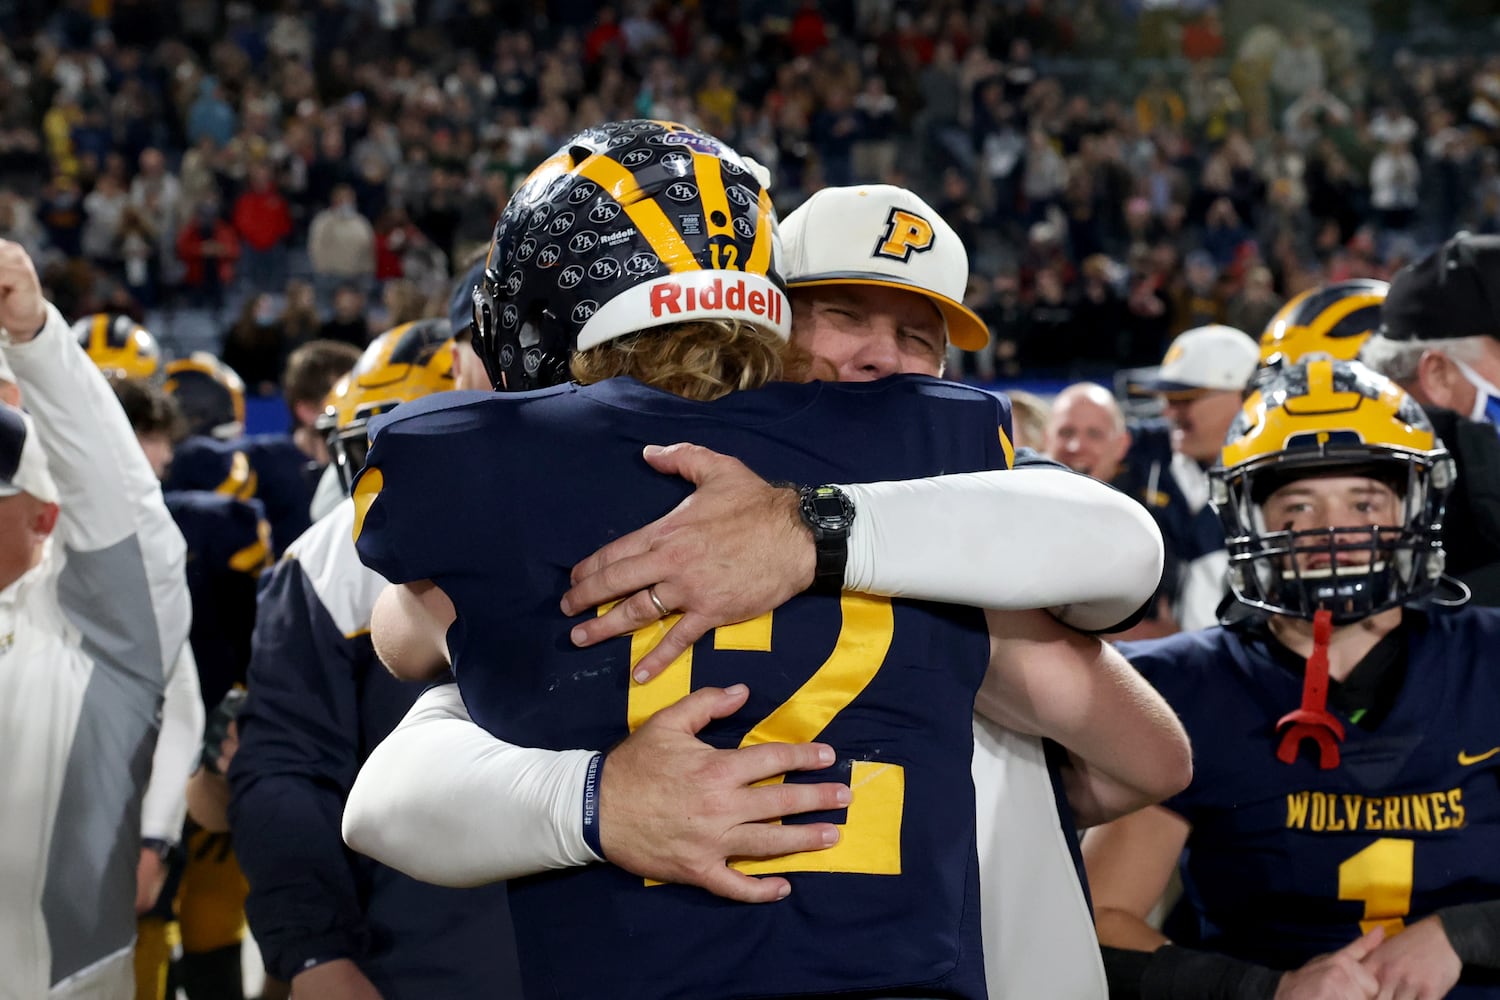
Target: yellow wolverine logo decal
x,y
1464,760
905,234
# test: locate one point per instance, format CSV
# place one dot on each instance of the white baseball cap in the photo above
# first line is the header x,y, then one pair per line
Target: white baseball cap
x,y
877,234
1206,357
23,464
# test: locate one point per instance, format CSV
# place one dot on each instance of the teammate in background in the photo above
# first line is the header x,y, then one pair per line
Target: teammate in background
x,y
1202,381
119,346
1343,849
917,336
333,923
202,905
1331,322
279,470
94,589
1438,341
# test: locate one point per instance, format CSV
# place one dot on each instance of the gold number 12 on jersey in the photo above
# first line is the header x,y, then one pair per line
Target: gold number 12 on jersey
x,y
870,842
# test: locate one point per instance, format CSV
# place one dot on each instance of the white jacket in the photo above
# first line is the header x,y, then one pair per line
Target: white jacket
x,y
87,640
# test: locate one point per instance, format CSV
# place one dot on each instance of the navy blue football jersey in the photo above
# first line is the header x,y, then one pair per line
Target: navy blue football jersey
x,y
266,467
496,497
227,547
1175,490
1286,862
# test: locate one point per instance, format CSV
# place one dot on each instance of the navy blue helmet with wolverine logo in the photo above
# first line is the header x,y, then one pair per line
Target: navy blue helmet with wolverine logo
x,y
630,225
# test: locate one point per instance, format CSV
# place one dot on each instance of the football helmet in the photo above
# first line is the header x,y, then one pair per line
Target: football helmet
x,y
1331,321
406,363
209,393
1331,418
119,346
630,225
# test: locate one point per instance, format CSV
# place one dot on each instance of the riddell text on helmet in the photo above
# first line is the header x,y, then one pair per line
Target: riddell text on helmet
x,y
671,297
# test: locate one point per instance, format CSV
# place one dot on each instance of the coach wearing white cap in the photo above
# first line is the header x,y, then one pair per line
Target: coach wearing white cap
x,y
1202,381
93,611
877,281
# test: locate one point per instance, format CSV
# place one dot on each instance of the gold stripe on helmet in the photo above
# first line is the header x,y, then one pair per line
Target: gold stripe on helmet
x,y
668,245
1321,410
760,251
709,173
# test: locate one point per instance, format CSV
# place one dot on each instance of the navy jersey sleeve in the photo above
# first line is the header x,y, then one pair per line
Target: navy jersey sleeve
x,y
298,755
1175,667
407,514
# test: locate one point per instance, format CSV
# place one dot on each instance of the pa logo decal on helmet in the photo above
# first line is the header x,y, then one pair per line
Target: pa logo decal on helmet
x,y
571,277
582,193
605,212
682,191
905,233
561,224
604,269
550,255
583,242
637,157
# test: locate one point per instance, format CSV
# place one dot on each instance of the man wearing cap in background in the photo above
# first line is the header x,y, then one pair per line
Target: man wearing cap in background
x,y
1439,340
1202,382
875,277
90,623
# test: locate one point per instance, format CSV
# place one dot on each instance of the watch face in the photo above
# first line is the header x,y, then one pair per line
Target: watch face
x,y
828,507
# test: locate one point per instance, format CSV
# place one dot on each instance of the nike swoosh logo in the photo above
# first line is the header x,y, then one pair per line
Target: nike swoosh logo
x,y
1464,760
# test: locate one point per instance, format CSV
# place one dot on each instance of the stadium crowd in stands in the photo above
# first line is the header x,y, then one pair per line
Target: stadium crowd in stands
x,y
1120,172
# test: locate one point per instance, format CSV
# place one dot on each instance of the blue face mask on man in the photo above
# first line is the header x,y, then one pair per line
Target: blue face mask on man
x,y
1486,408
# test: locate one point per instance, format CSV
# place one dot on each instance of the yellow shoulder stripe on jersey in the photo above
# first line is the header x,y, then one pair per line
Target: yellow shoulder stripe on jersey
x,y
257,555
1008,448
647,215
241,481
371,482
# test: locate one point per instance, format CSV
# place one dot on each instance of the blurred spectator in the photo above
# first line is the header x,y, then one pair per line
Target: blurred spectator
x,y
1100,314
140,255
1203,36
1297,68
263,222
1051,325
1395,182
348,322
18,223
341,243
1197,295
256,345
1006,316
208,250
1158,106
62,215
103,210
1253,306
299,320
210,116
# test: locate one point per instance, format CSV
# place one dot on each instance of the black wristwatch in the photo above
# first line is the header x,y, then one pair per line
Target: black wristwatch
x,y
828,512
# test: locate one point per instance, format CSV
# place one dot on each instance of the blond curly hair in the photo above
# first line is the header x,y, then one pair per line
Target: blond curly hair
x,y
702,360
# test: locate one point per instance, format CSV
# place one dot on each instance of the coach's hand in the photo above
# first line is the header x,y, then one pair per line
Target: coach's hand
x,y
1335,976
674,809
1417,964
22,308
735,549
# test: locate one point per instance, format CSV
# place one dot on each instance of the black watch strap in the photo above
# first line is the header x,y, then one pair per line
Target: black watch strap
x,y
828,513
